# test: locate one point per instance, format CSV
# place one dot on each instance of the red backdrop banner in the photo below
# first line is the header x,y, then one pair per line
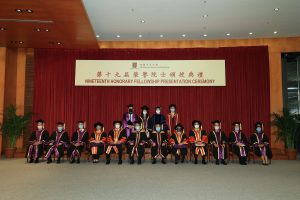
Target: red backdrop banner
x,y
246,96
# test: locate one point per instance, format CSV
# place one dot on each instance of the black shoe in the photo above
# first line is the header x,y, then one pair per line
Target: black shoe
x,y
31,160
36,160
120,162
182,160
78,161
154,161
217,162
139,161
58,161
204,162
49,161
72,161
196,160
223,162
107,162
163,161
131,161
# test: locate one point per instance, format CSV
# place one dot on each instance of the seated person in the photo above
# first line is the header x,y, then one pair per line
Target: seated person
x,y
218,139
115,140
179,143
159,142
59,140
260,143
79,142
37,142
239,143
97,141
136,143
199,140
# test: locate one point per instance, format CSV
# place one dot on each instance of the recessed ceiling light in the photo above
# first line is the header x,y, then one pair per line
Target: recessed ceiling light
x,y
228,34
97,36
142,21
275,32
38,29
161,36
118,36
204,35
47,30
2,29
140,36
250,33
183,35
276,9
204,16
19,10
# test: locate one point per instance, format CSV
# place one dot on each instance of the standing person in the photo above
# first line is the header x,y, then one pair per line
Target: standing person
x,y
79,142
115,139
158,141
199,140
37,142
239,143
172,119
59,141
158,118
261,144
128,119
144,118
136,143
179,143
218,139
97,141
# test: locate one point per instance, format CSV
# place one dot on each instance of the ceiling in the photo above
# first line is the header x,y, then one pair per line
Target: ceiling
x,y
120,20
80,23
45,24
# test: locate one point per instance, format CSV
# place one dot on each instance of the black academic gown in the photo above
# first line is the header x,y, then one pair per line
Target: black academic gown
x,y
136,144
60,142
234,138
161,119
161,141
34,152
256,139
83,140
218,138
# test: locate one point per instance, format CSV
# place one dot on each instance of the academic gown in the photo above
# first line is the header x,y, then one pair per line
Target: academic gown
x,y
198,135
238,137
160,148
36,151
138,140
219,138
261,138
60,142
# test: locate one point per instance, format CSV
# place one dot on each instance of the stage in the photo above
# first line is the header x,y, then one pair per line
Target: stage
x,y
20,180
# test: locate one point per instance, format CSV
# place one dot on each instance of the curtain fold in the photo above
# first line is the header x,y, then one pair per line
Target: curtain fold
x,y
245,98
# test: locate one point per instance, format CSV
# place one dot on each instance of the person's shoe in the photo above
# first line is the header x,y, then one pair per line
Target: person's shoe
x,y
107,162
58,161
154,161
120,162
49,161
217,162
204,162
139,161
131,161
94,160
78,161
223,162
182,160
72,161
163,161
36,160
196,161
31,160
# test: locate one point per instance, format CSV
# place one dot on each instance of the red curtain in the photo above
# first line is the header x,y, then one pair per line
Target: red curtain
x,y
246,96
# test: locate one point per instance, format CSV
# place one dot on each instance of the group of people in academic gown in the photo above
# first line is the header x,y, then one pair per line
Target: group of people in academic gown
x,y
162,135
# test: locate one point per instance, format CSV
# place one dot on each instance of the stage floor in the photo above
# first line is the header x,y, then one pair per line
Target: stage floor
x,y
20,180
